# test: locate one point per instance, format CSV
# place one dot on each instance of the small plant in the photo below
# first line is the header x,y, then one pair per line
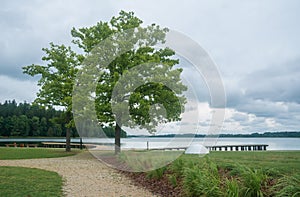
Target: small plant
x,y
177,167
288,186
232,188
173,180
202,180
253,180
156,174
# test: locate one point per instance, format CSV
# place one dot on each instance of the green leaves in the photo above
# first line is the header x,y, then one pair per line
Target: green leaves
x,y
125,65
112,50
57,77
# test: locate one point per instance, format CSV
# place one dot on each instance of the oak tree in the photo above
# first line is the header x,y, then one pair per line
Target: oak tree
x,y
124,96
157,99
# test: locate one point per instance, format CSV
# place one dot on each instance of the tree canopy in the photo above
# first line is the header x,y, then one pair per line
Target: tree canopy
x,y
57,80
129,74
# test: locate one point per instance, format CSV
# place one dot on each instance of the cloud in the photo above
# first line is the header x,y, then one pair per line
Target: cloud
x,y
27,27
255,45
23,90
276,83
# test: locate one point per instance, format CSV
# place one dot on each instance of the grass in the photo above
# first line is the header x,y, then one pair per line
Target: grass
x,y
19,181
232,174
33,153
139,160
285,162
201,180
288,186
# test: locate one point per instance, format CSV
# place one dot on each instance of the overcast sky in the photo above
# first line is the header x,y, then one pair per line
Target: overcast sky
x,y
255,44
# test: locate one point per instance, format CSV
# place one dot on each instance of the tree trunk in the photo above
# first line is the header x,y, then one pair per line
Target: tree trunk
x,y
117,139
68,140
68,133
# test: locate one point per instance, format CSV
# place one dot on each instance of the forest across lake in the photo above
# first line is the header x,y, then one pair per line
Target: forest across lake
x,y
30,120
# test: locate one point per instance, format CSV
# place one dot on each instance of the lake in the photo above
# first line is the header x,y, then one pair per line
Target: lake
x,y
161,142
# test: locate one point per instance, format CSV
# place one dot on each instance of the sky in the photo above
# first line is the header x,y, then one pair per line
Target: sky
x,y
255,45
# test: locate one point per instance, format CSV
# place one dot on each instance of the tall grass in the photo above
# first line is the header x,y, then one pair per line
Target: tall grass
x,y
202,180
228,174
288,186
156,174
232,188
253,180
142,161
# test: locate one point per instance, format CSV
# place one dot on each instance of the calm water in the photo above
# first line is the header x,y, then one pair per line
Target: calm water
x,y
274,143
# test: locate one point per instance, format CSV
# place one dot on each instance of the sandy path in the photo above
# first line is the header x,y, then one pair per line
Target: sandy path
x,y
84,176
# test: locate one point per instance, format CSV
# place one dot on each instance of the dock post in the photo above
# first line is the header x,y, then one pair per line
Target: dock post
x,y
80,143
259,147
265,147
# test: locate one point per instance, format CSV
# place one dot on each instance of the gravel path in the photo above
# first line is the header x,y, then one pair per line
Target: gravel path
x,y
84,176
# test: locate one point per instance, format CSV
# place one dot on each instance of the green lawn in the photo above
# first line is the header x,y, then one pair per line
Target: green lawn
x,y
286,162
33,153
19,181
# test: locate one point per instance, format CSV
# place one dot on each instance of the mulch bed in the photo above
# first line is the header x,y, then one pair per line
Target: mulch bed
x,y
160,187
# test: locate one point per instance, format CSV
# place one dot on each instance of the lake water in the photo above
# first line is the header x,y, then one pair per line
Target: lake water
x,y
274,143
141,143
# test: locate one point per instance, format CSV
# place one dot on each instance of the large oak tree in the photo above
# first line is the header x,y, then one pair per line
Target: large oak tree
x,y
59,75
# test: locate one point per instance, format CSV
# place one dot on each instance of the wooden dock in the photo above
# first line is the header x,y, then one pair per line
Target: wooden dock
x,y
244,147
61,145
170,148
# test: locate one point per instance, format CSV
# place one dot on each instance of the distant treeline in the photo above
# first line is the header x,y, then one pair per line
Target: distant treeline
x,y
266,134
27,120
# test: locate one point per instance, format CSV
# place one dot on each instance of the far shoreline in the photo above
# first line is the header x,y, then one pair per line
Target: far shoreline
x,y
279,134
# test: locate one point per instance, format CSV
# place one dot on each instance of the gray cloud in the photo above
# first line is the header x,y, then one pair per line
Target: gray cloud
x,y
276,83
255,45
20,90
